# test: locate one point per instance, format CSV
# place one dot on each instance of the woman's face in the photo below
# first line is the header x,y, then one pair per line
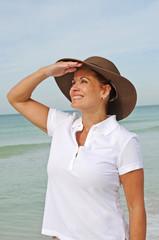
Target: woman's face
x,y
86,91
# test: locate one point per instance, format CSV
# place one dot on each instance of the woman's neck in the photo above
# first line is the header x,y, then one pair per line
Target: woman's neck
x,y
90,119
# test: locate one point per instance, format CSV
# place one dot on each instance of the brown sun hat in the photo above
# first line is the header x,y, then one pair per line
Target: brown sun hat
x,y
125,100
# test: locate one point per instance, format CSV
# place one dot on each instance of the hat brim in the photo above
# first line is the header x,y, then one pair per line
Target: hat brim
x,y
122,106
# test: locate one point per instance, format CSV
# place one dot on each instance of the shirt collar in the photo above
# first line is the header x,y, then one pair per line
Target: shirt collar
x,y
77,125
105,127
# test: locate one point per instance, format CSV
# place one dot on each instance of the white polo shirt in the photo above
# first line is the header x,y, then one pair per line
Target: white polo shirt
x,y
82,199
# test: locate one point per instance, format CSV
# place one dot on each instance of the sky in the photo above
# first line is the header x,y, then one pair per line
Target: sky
x,y
36,33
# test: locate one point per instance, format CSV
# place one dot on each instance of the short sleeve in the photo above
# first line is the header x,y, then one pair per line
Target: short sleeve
x,y
56,117
130,158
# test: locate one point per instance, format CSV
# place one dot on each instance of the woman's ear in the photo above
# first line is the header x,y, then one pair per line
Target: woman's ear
x,y
106,91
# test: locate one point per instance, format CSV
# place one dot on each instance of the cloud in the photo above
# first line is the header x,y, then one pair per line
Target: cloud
x,y
37,33
81,26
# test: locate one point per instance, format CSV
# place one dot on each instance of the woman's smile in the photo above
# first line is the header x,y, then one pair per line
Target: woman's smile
x,y
77,97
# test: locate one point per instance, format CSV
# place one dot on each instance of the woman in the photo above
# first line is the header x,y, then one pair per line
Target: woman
x,y
91,156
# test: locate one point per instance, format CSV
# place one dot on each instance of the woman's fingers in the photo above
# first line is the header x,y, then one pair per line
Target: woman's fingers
x,y
72,67
61,68
72,64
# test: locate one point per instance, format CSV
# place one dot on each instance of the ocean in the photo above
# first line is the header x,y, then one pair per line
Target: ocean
x,y
24,151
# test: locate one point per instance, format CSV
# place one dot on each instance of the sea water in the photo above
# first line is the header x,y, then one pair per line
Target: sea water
x,y
24,151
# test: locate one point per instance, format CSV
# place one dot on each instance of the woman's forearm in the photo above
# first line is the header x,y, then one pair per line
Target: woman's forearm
x,y
20,95
137,223
23,90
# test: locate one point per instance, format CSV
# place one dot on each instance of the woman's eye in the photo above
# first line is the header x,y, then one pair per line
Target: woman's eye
x,y
84,81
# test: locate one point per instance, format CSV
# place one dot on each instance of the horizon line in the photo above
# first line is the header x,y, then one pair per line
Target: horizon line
x,y
150,105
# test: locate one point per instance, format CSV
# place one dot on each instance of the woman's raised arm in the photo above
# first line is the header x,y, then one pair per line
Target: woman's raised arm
x,y
20,95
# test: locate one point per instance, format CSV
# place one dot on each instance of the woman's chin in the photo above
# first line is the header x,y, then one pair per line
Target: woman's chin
x,y
75,106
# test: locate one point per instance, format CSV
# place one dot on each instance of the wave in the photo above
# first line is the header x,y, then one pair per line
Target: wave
x,y
142,120
15,150
19,149
147,129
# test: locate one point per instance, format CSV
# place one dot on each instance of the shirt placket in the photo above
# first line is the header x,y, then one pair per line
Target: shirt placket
x,y
74,158
78,148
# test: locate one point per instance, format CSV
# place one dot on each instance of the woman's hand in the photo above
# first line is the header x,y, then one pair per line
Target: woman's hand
x,y
61,68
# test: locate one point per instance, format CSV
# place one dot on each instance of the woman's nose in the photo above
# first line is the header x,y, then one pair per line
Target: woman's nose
x,y
75,87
